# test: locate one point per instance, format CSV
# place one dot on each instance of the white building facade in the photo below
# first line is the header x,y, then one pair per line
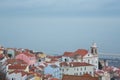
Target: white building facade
x,y
82,55
16,76
76,68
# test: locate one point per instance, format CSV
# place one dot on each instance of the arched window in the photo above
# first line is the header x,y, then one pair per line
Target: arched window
x,y
65,60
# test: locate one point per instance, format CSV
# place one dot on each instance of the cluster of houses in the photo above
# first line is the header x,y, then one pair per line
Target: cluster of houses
x,y
25,64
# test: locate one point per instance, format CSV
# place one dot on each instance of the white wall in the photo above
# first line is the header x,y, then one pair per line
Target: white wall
x,y
77,70
91,59
68,59
16,76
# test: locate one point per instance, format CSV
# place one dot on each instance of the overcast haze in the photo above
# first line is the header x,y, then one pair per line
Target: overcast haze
x,y
55,26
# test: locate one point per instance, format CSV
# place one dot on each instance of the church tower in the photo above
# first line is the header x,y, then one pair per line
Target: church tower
x,y
94,52
94,49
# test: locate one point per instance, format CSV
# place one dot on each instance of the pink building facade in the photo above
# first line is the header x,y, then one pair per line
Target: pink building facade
x,y
27,57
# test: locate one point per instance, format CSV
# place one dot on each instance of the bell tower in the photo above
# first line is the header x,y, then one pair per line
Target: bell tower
x,y
94,49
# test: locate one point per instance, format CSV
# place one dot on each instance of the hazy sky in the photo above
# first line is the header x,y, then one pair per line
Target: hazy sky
x,y
55,26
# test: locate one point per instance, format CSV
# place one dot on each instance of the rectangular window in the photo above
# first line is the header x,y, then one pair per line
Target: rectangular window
x,y
77,69
63,70
90,73
85,68
81,69
67,69
83,73
80,73
76,73
74,68
96,62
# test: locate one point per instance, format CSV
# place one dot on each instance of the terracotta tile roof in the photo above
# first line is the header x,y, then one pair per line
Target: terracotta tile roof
x,y
68,54
33,68
45,64
54,56
30,73
24,73
118,71
50,62
108,68
81,52
46,76
54,79
17,67
41,66
28,54
1,49
74,64
15,71
64,64
54,59
84,77
58,56
54,66
15,61
99,72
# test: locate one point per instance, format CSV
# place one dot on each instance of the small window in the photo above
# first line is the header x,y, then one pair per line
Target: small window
x,y
74,68
81,69
67,69
77,69
60,74
90,73
63,70
76,73
88,61
13,79
80,73
66,60
85,68
96,62
39,60
83,73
